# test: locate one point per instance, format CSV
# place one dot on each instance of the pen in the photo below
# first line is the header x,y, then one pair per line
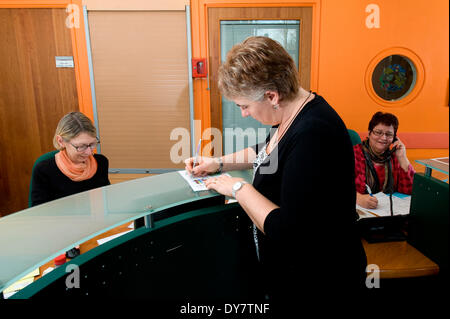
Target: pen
x,y
196,153
369,190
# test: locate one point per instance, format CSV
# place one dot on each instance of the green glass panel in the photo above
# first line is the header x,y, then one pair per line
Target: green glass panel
x,y
439,164
34,236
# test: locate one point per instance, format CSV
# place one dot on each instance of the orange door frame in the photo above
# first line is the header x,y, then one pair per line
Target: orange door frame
x,y
199,21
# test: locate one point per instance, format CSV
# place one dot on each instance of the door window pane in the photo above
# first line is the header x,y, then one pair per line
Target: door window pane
x,y
239,132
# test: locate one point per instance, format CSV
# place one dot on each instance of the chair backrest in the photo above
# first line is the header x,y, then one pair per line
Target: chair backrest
x,y
41,158
354,137
429,219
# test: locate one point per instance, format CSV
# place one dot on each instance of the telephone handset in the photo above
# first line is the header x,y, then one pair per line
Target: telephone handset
x,y
393,149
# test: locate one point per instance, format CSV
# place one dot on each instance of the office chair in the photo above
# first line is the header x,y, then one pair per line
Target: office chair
x,y
40,159
354,137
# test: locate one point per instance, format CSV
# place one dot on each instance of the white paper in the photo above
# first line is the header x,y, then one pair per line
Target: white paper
x,y
197,183
400,206
104,240
18,285
46,271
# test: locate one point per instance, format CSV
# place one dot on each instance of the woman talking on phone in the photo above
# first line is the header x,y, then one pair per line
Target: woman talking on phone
x,y
381,164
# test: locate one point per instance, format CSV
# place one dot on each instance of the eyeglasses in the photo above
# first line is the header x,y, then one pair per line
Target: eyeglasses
x,y
381,133
84,147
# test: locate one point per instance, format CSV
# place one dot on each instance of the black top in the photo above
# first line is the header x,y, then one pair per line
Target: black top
x,y
310,242
49,183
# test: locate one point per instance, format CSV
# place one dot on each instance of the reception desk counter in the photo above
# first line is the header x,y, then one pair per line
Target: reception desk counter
x,y
34,236
192,246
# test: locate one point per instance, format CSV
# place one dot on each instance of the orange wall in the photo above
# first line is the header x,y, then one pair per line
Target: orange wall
x,y
343,49
347,47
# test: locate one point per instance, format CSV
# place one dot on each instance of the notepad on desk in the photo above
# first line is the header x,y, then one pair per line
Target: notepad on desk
x,y
20,284
400,204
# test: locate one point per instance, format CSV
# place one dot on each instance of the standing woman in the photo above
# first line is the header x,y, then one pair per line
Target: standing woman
x,y
377,166
302,199
75,168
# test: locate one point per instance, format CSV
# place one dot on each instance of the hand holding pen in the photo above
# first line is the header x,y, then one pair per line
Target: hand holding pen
x,y
369,201
202,165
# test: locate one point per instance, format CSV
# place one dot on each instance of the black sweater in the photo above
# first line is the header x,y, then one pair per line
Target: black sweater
x,y
49,183
310,242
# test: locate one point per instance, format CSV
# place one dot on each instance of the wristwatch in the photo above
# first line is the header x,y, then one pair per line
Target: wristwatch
x,y
237,186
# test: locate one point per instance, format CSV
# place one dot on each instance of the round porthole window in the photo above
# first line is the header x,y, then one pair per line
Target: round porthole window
x,y
394,77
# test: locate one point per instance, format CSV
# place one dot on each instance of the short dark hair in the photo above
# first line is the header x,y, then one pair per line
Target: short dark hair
x,y
387,119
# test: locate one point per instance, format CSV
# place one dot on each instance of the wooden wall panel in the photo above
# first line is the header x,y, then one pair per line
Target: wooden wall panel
x,y
34,94
141,81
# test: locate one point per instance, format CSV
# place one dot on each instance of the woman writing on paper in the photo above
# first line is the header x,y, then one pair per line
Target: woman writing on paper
x,y
303,208
381,164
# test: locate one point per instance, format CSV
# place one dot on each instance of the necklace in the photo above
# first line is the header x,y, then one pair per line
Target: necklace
x,y
277,136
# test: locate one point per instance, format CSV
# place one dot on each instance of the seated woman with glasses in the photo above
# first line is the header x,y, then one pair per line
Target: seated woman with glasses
x,y
381,164
75,168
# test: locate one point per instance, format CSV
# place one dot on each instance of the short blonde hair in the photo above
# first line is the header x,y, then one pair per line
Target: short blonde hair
x,y
71,125
255,66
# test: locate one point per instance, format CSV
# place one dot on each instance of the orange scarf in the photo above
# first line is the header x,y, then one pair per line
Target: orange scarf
x,y
76,172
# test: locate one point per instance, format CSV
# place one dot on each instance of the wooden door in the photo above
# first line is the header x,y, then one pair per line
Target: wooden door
x,y
215,15
34,94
